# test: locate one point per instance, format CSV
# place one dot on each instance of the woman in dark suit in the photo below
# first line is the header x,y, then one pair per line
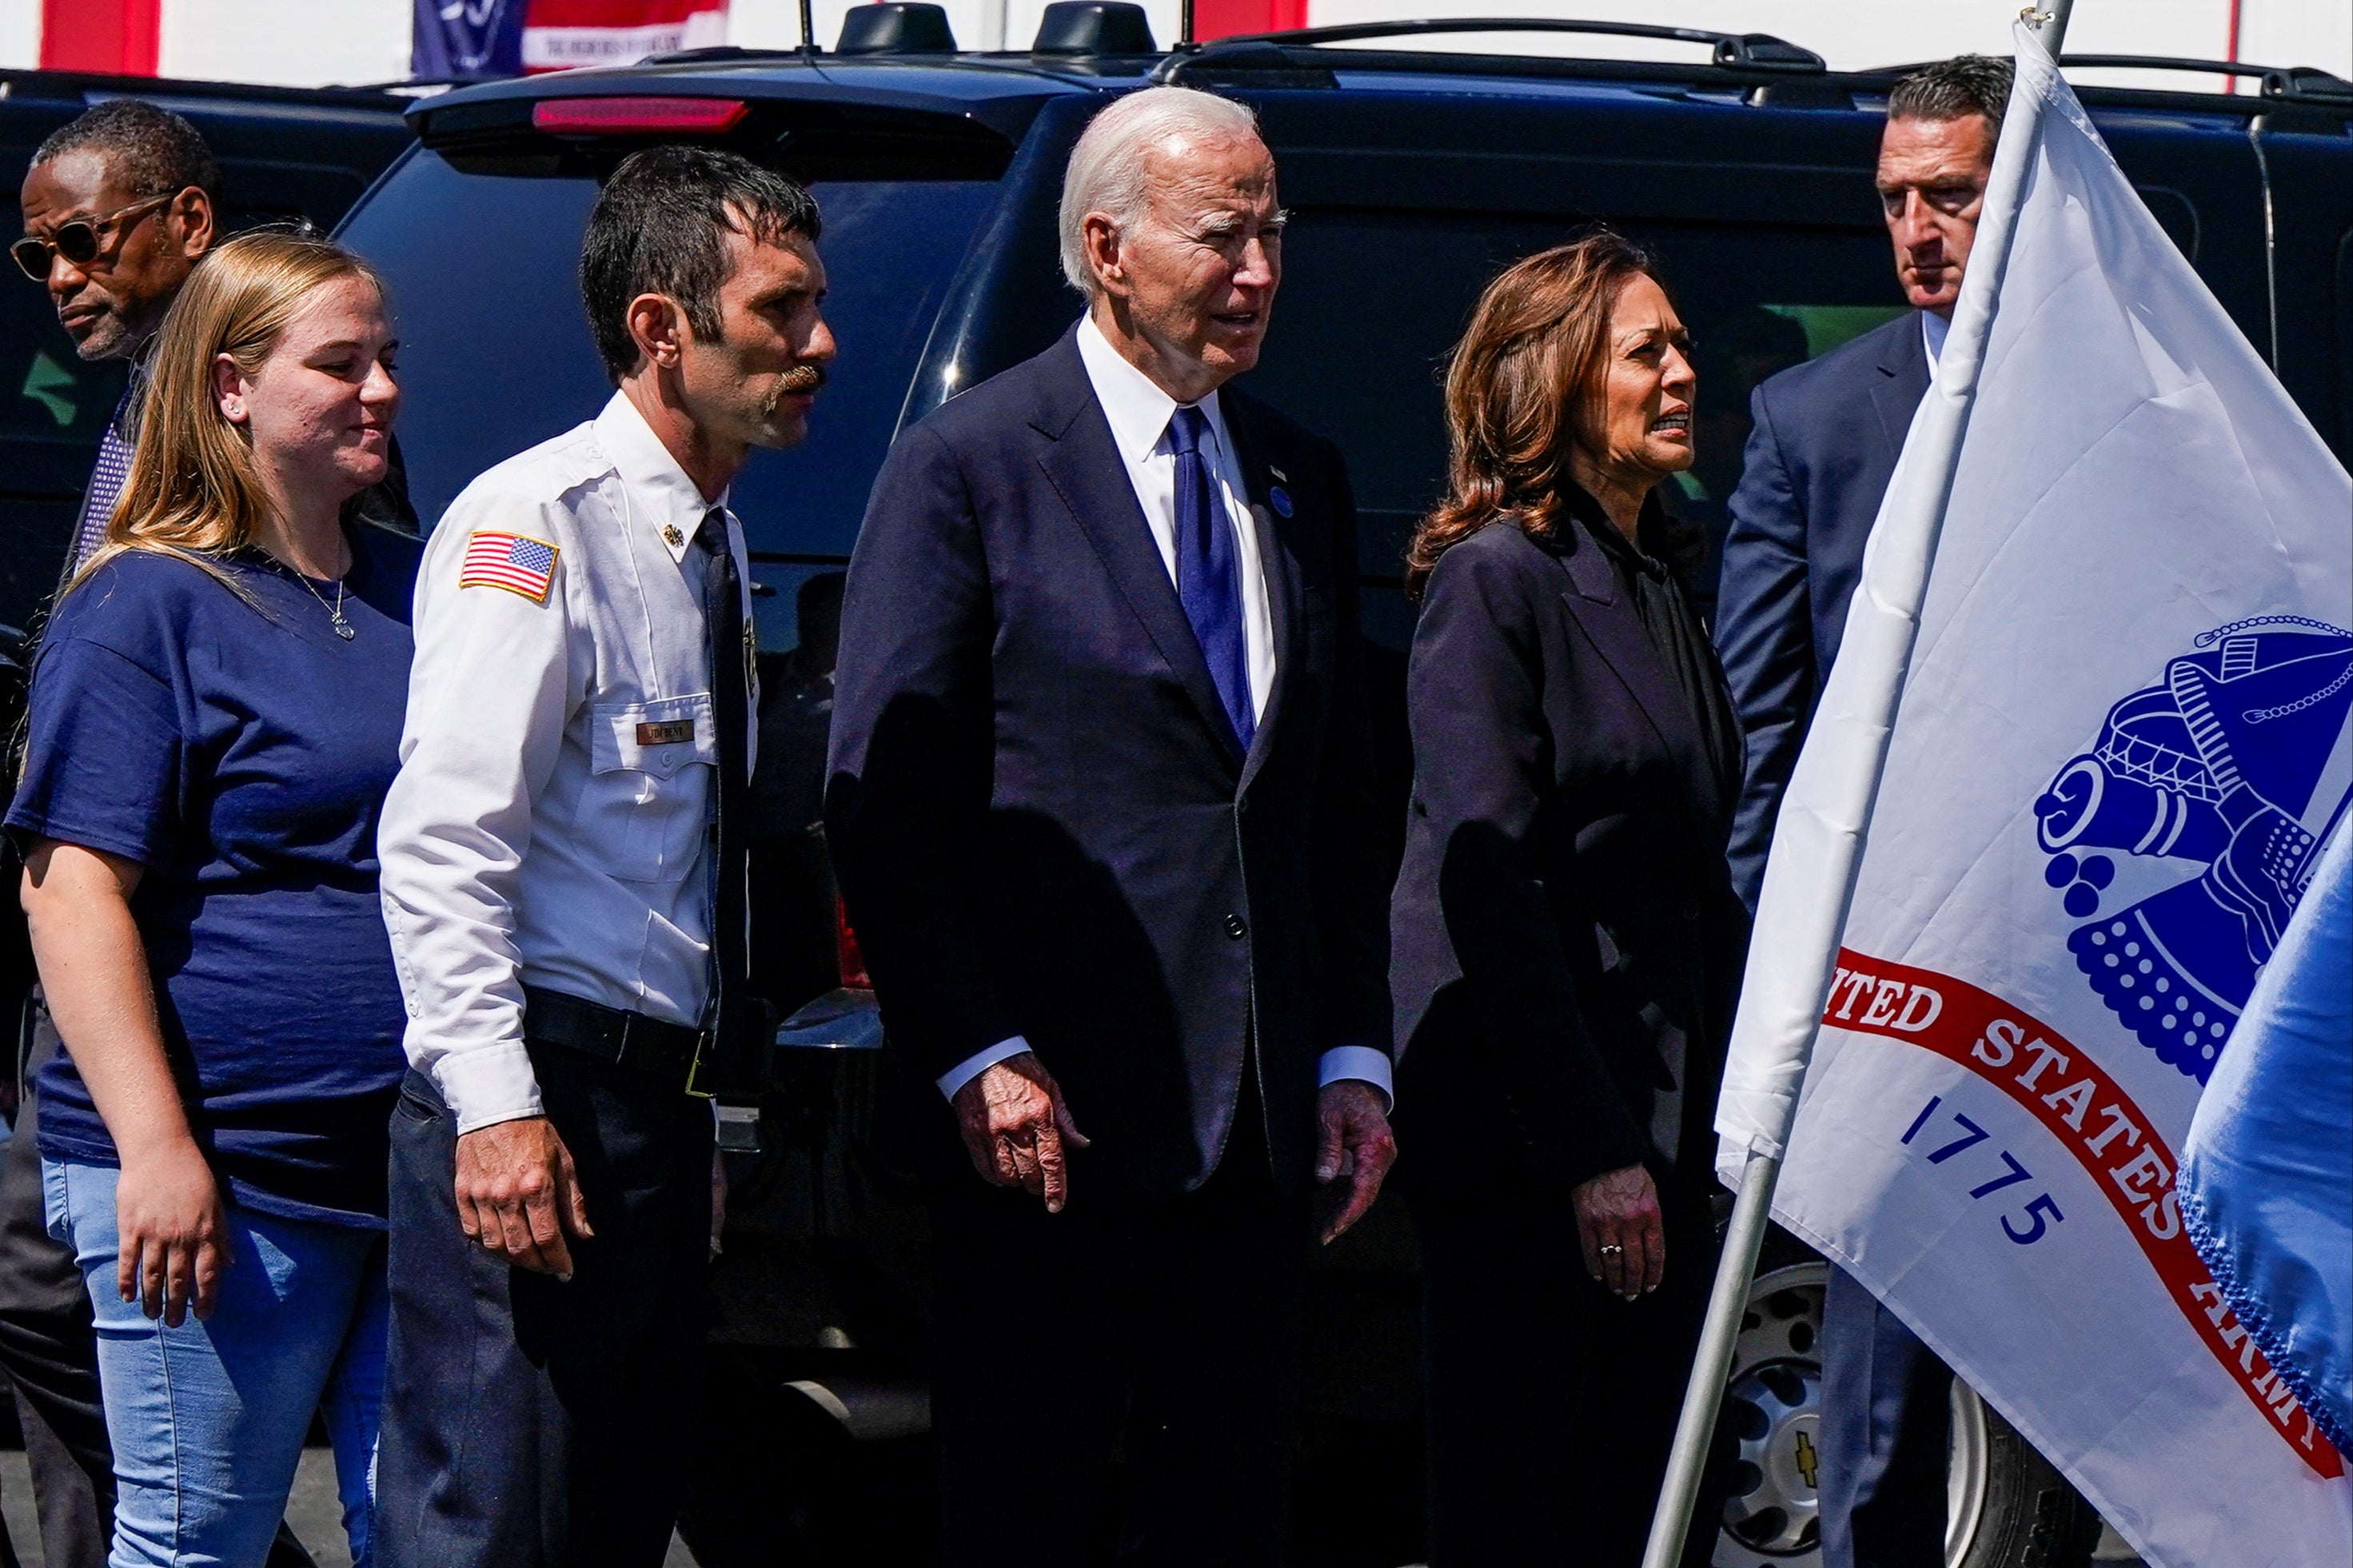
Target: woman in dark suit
x,y
1566,943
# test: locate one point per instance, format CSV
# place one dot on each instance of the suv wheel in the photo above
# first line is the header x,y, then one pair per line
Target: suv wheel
x,y
2007,1507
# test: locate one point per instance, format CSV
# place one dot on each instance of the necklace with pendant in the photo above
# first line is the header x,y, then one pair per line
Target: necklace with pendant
x,y
344,629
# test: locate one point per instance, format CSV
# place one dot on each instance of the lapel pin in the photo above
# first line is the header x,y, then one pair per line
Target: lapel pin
x,y
671,536
1280,499
1278,473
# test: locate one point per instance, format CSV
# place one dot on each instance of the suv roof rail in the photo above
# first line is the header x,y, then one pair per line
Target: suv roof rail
x,y
2301,84
2307,84
1751,51
86,87
722,54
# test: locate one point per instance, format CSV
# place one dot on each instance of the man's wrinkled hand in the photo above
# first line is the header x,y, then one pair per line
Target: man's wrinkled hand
x,y
1353,1144
1622,1232
1017,1128
517,1194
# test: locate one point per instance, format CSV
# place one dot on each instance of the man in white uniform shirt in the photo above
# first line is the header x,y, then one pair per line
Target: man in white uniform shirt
x,y
564,880
1101,807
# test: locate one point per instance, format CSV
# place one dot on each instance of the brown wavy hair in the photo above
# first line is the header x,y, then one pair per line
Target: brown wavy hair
x,y
1540,330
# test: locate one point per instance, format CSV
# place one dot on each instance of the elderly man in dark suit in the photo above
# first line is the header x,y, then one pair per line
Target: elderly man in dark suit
x,y
1098,804
1820,457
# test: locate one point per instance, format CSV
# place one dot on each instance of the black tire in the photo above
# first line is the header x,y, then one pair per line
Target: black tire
x,y
2027,1514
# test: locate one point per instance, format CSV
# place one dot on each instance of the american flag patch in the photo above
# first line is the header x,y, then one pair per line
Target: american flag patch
x,y
514,562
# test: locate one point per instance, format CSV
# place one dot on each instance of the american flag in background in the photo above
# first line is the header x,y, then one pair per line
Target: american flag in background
x,y
471,38
514,562
561,34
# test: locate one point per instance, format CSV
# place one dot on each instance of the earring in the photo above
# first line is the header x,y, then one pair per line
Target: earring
x,y
232,410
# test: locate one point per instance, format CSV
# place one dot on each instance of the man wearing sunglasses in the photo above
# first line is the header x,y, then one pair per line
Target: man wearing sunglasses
x,y
118,210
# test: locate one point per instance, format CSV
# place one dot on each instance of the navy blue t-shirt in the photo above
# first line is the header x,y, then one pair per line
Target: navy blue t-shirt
x,y
240,752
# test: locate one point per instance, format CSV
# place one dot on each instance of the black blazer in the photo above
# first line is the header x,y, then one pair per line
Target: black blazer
x,y
1564,899
1037,809
1823,446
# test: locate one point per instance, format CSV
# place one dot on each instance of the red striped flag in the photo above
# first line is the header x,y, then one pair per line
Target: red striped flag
x,y
514,562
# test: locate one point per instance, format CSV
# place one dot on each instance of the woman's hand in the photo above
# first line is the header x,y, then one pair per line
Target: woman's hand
x,y
94,972
173,1244
1619,1226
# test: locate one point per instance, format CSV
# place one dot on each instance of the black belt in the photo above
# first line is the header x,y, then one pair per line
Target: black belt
x,y
669,1052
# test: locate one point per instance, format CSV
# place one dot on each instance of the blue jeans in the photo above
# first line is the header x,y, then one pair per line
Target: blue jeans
x,y
208,1418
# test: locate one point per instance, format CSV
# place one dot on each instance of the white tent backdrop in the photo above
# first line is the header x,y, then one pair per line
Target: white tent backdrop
x,y
303,42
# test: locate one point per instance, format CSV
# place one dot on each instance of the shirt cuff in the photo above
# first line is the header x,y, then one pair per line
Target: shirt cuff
x,y
974,1065
1366,1064
487,1085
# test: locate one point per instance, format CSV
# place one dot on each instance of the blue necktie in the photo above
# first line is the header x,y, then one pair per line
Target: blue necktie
x,y
1208,577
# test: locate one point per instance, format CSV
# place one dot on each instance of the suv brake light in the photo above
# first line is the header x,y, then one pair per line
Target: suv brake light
x,y
853,962
623,116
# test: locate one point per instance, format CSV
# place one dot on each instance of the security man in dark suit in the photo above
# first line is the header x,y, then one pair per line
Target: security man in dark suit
x,y
1823,446
1100,806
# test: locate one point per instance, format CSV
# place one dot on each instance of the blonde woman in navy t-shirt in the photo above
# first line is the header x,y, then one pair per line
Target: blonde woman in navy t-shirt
x,y
215,713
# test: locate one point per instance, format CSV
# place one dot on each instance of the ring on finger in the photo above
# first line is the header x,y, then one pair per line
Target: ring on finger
x,y
1611,1249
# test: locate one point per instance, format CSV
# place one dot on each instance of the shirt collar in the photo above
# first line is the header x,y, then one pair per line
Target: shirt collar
x,y
1137,410
1933,329
1630,554
660,496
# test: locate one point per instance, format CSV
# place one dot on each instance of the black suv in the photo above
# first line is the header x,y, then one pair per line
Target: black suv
x,y
285,154
1415,176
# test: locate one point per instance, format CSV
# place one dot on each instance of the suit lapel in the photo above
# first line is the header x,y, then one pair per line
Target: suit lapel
x,y
1613,628
1084,466
1276,540
1902,382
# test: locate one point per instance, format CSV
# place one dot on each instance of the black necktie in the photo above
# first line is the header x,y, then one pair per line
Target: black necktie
x,y
727,1014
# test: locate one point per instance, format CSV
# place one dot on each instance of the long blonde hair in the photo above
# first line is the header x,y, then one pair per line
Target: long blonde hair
x,y
193,490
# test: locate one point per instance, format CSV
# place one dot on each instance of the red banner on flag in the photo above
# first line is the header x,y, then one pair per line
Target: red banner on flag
x,y
2084,1108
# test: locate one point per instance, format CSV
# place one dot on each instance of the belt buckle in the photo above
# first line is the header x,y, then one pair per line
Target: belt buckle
x,y
694,1068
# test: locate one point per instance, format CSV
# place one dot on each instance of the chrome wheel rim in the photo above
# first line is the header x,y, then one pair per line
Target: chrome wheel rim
x,y
1773,1405
1965,1482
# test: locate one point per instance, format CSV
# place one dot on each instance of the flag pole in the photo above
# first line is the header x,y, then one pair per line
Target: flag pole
x,y
1940,458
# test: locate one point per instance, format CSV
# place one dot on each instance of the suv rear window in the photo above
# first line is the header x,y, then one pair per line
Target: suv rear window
x,y
497,355
1373,301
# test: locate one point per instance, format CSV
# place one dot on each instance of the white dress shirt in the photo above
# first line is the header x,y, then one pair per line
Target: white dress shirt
x,y
1933,330
548,823
1139,414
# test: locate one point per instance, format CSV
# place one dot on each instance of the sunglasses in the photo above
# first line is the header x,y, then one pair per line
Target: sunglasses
x,y
80,241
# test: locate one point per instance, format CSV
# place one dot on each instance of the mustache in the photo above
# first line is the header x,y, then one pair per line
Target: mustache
x,y
799,380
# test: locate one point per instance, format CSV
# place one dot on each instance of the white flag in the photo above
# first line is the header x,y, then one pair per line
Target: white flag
x,y
2122,733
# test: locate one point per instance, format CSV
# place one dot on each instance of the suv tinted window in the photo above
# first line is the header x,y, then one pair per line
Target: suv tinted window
x,y
497,357
1372,300
52,393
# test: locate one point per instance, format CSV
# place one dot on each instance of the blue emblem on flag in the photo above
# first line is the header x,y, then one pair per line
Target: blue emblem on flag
x,y
466,38
2230,770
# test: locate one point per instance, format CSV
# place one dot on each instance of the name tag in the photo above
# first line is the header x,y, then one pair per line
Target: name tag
x,y
673,732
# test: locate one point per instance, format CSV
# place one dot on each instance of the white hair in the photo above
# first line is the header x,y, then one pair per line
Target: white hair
x,y
1106,170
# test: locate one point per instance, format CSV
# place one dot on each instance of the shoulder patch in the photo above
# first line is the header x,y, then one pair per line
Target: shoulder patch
x,y
515,562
